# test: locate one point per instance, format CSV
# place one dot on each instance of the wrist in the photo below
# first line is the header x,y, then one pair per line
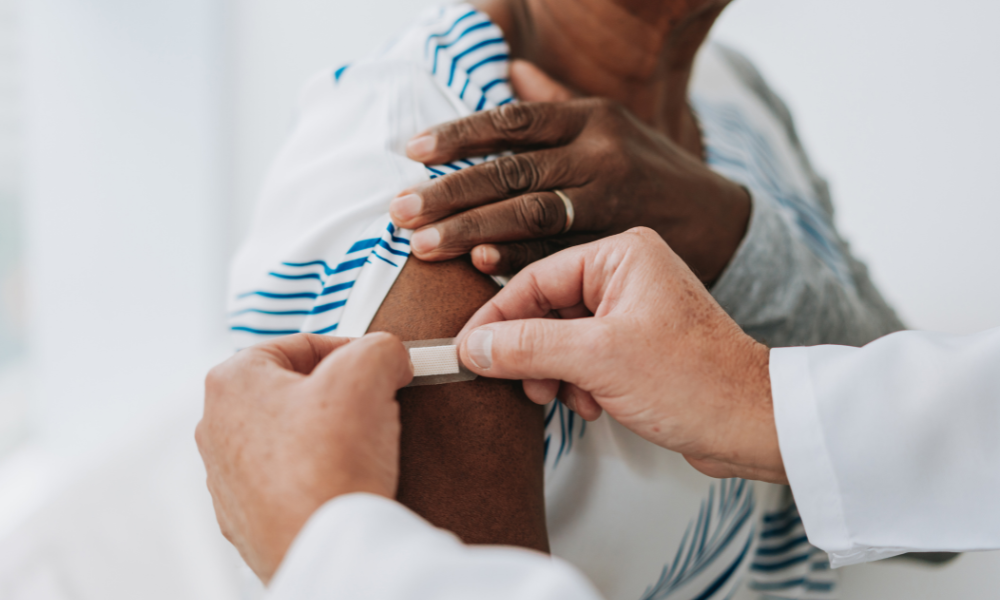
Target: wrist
x,y
708,237
755,453
274,536
284,518
758,453
743,436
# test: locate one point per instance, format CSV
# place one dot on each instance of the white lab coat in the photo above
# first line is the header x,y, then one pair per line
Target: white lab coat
x,y
894,447
363,546
890,448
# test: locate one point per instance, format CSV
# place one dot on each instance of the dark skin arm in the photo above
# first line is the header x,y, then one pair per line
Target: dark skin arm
x,y
471,453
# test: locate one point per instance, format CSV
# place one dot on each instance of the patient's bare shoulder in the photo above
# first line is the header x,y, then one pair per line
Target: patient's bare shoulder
x,y
472,452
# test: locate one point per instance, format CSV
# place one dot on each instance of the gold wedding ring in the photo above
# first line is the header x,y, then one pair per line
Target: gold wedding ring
x,y
570,213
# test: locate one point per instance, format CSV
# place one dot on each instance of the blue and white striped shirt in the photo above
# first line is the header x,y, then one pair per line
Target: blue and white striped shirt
x,y
323,254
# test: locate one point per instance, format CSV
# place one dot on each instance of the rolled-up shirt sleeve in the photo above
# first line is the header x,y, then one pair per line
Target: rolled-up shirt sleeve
x,y
893,447
783,293
365,546
793,281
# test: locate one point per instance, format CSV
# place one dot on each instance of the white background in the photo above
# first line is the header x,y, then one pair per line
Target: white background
x,y
148,129
897,102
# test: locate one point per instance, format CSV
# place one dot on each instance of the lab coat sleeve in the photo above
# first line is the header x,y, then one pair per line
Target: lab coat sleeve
x,y
365,546
894,447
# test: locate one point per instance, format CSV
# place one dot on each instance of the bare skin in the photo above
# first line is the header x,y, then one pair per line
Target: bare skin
x,y
641,338
292,423
616,134
471,453
638,53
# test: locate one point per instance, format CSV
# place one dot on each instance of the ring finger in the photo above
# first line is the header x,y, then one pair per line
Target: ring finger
x,y
527,217
478,185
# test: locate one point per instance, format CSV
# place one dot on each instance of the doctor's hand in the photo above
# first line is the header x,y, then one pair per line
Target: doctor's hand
x,y
622,325
293,423
617,171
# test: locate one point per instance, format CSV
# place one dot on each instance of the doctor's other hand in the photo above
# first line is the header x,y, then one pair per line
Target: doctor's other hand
x,y
623,325
293,423
617,171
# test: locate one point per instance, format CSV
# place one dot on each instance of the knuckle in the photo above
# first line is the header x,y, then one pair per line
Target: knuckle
x,y
525,348
200,435
473,225
536,215
645,234
512,119
515,174
215,379
444,193
457,134
382,340
460,130
461,189
467,228
646,239
227,532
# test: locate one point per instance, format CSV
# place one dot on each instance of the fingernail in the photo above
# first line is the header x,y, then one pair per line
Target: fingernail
x,y
480,347
405,207
489,256
421,146
425,240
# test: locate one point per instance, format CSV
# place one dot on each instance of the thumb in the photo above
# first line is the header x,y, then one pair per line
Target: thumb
x,y
373,361
532,349
531,84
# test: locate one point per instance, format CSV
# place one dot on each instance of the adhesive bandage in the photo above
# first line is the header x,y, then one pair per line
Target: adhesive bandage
x,y
436,362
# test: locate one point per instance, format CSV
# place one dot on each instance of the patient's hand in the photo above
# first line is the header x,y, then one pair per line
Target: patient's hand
x,y
618,171
291,424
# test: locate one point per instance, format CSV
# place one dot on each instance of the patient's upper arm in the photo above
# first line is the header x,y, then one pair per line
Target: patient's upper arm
x,y
322,252
472,452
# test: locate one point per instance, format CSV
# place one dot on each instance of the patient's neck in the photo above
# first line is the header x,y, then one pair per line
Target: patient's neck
x,y
637,52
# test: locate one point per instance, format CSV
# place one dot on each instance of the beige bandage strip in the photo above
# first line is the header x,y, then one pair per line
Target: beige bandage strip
x,y
436,362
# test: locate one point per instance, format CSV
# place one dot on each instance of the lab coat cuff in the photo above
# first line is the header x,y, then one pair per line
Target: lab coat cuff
x,y
808,464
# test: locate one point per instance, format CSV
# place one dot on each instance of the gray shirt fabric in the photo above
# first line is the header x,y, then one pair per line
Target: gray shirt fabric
x,y
776,287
